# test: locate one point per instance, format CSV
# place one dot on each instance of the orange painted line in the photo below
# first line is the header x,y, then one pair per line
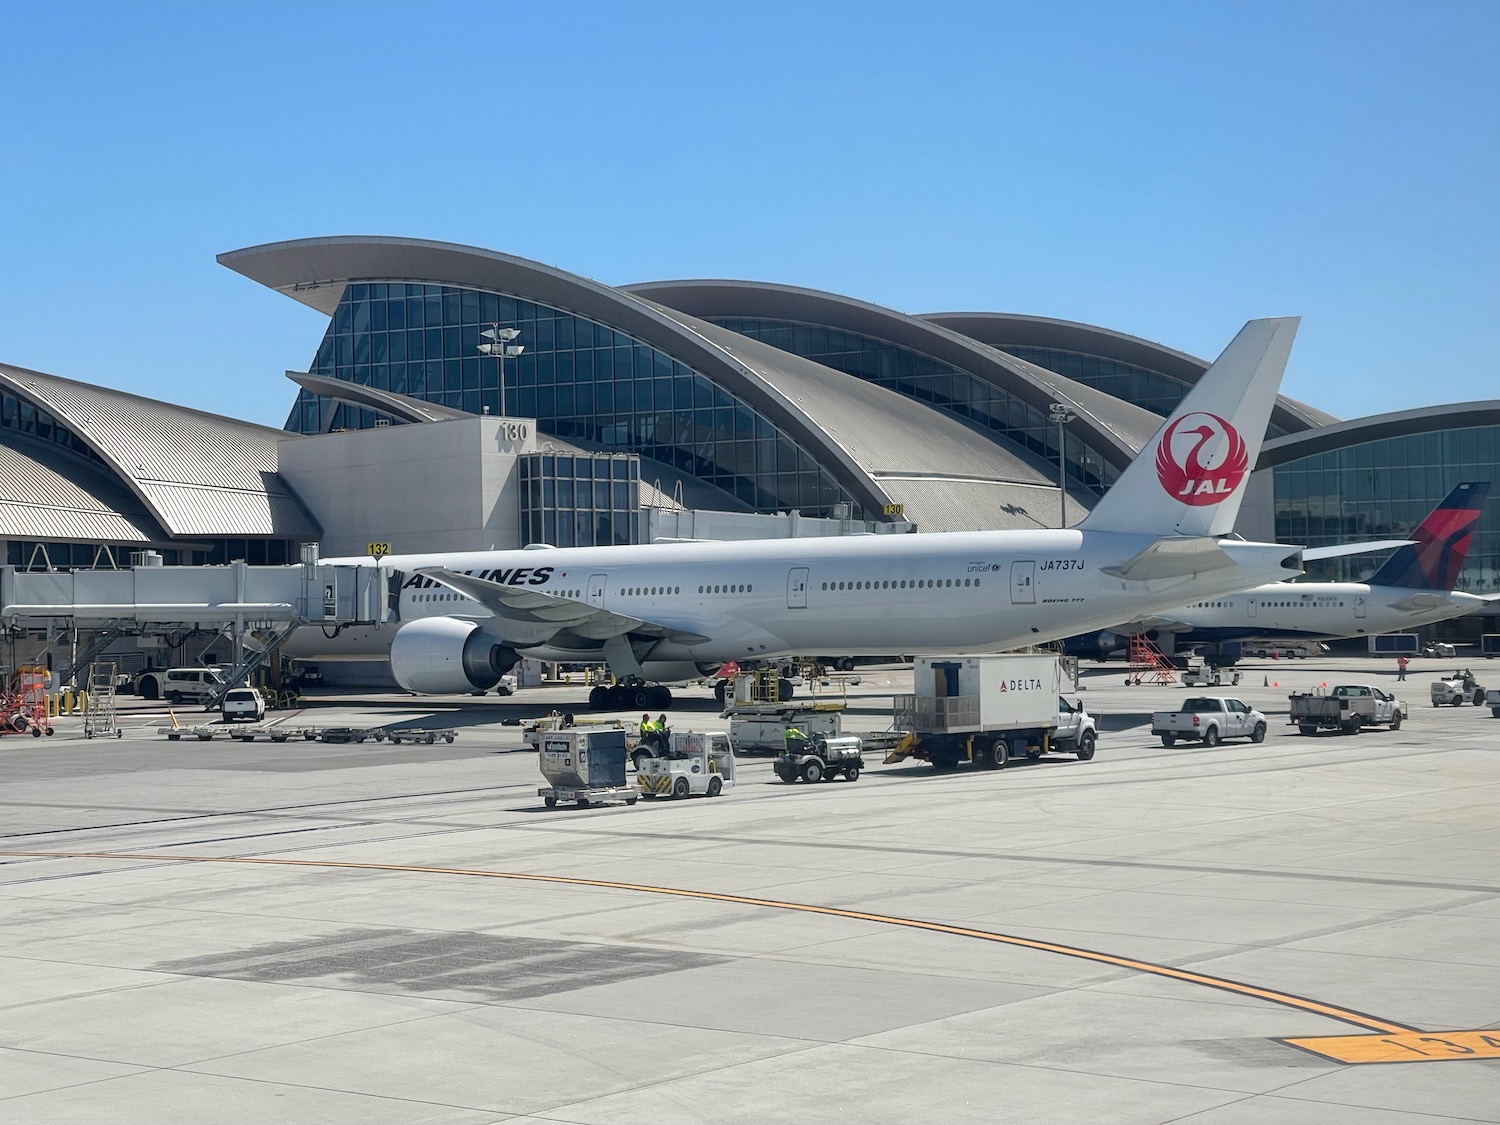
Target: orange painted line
x,y
1286,999
1407,1047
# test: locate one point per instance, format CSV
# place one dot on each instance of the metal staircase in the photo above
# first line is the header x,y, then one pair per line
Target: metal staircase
x,y
261,646
99,711
1148,664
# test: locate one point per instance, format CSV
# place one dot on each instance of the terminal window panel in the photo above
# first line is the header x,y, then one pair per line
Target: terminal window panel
x,y
933,382
580,380
1383,490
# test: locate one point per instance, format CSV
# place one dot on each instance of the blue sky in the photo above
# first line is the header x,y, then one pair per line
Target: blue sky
x,y
1168,170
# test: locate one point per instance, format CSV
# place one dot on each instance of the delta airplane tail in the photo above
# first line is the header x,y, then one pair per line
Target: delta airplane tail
x,y
1191,477
1441,544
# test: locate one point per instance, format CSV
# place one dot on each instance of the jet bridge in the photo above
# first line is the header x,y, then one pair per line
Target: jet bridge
x,y
90,609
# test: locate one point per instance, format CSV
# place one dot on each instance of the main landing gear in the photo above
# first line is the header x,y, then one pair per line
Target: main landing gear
x,y
641,697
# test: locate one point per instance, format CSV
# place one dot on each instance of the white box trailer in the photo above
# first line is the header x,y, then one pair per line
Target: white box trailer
x,y
762,728
989,708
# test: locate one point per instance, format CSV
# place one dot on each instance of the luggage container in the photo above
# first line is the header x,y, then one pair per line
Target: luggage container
x,y
584,766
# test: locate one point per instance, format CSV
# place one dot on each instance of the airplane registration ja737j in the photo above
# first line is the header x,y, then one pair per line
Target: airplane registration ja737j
x,y
669,612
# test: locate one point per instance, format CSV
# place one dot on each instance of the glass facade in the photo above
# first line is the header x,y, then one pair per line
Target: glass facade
x,y
577,501
920,377
1382,490
578,378
27,418
31,555
1150,389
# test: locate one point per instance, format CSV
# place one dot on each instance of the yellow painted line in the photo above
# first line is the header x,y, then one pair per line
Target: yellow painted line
x,y
1302,1003
1411,1046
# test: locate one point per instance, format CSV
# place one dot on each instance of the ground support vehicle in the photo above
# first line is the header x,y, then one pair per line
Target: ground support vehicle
x,y
1439,650
1492,700
178,684
1199,673
243,705
1209,719
586,767
988,709
761,728
821,759
699,762
1455,690
1348,708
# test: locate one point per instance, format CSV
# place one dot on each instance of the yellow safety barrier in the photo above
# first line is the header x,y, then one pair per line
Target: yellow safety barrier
x,y
80,702
51,706
65,702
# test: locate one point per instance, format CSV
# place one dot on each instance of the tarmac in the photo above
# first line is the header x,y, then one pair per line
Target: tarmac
x,y
227,932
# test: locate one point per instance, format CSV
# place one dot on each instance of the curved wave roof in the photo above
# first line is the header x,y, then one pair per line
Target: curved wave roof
x,y
1115,428
882,448
197,474
48,493
1399,423
1002,330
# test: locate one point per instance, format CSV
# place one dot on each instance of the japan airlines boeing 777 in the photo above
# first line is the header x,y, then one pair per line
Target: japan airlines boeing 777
x,y
1414,587
666,612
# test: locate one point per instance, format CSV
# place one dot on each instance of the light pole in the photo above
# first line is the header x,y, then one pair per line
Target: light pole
x,y
1062,414
499,345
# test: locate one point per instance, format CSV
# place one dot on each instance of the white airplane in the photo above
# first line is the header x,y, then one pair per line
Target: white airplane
x,y
670,612
1414,587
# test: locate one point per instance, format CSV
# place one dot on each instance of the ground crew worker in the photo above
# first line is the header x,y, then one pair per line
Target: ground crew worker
x,y
1401,663
796,741
645,725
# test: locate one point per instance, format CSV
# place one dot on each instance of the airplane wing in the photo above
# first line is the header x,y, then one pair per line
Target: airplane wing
x,y
1339,549
535,617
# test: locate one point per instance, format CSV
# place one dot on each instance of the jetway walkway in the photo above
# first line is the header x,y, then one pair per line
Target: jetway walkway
x,y
262,604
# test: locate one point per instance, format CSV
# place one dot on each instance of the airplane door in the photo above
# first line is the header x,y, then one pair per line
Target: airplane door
x,y
1252,602
796,588
1023,582
1359,605
597,583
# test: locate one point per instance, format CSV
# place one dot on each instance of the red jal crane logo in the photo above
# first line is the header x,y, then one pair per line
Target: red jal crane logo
x,y
1201,459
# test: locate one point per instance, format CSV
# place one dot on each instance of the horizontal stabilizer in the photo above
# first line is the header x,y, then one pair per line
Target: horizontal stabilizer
x,y
1355,548
1172,558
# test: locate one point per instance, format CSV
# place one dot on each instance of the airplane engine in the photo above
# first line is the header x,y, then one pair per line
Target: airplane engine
x,y
446,656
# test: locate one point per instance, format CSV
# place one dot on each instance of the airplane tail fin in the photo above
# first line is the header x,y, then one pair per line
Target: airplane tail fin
x,y
1433,561
1191,477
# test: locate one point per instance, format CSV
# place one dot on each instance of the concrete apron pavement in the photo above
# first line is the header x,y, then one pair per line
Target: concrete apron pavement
x,y
1130,939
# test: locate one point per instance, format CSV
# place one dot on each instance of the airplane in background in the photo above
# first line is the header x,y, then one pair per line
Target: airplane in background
x,y
1415,586
672,612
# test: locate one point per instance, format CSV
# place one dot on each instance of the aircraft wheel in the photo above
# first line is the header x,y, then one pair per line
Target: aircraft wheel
x,y
785,690
599,699
721,691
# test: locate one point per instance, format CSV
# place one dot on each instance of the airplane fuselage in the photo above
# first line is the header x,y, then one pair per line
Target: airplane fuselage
x,y
1317,610
859,595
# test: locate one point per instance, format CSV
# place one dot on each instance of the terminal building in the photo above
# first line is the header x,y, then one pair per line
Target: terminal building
x,y
669,410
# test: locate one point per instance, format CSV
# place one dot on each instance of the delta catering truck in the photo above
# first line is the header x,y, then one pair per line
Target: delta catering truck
x,y
989,709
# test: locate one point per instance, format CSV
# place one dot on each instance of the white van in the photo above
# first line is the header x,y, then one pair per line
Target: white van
x,y
178,684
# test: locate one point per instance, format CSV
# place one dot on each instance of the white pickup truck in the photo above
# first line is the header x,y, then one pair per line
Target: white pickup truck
x,y
1209,719
1348,708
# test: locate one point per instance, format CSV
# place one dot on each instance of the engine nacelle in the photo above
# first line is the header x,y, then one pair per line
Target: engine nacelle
x,y
447,656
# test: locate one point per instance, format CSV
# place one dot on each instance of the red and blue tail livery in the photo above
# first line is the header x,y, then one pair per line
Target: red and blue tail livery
x,y
1442,542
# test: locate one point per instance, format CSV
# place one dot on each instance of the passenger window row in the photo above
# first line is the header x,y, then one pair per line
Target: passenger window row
x,y
739,589
652,591
902,584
